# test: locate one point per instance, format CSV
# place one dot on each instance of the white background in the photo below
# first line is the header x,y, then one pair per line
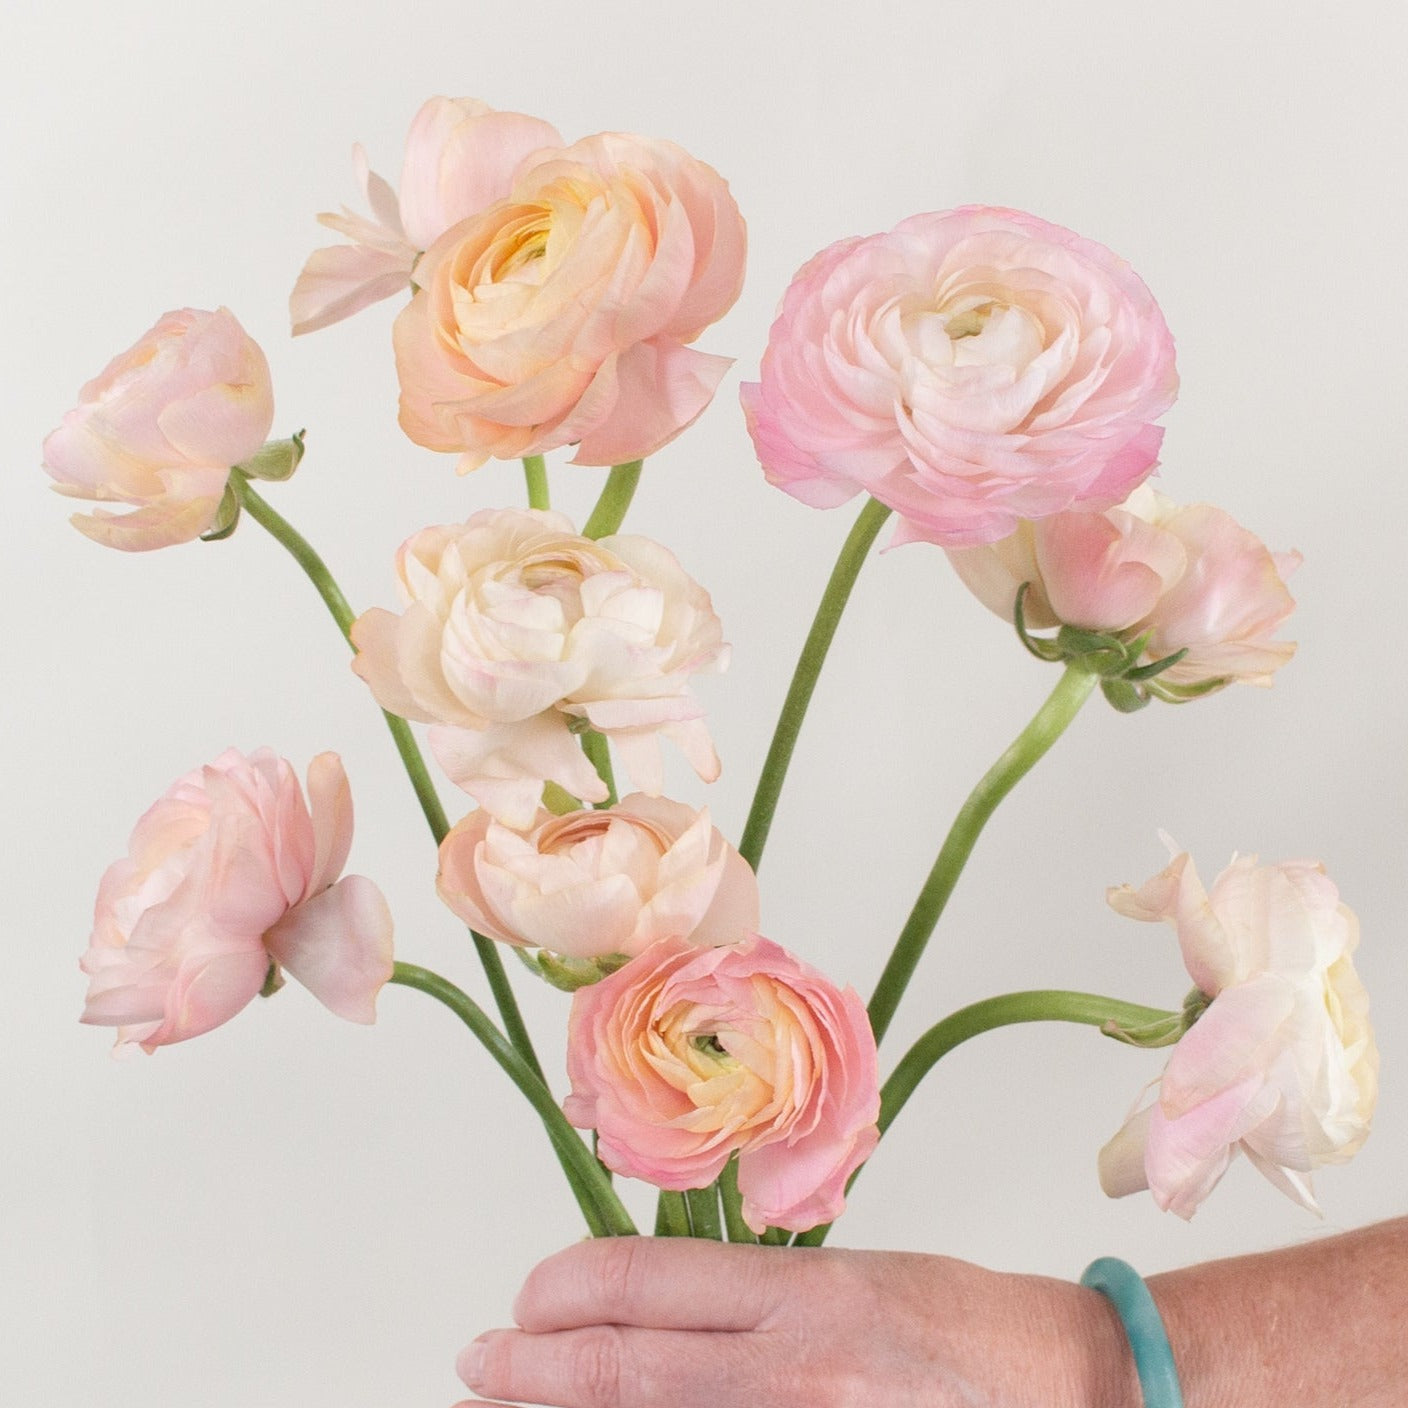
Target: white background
x,y
293,1210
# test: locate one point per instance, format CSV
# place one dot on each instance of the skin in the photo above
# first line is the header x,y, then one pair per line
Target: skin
x,y
643,1322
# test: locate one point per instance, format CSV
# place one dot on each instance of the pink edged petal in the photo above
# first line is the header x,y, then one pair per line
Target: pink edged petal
x,y
376,637
1296,1186
330,805
342,279
800,1185
1121,1162
662,388
147,528
338,945
207,993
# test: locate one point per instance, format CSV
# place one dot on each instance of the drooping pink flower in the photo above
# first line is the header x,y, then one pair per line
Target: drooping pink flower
x,y
593,884
1190,577
460,157
687,1056
1282,1065
562,314
516,629
160,428
970,368
230,872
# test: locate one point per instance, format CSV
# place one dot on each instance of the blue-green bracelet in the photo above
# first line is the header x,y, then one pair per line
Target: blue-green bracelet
x,y
1124,1288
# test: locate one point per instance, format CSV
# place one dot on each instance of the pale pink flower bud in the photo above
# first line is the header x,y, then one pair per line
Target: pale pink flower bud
x,y
1282,1065
230,872
971,368
160,428
596,883
518,630
561,314
460,157
686,1056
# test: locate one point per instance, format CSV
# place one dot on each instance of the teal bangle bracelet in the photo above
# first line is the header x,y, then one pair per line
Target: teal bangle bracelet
x,y
1124,1288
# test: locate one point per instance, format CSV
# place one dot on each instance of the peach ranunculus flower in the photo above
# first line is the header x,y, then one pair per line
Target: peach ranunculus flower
x,y
1282,1065
562,314
687,1056
517,633
160,428
230,877
460,157
1188,576
599,883
970,368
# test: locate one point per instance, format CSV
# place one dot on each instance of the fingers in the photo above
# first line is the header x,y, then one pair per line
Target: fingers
x,y
664,1283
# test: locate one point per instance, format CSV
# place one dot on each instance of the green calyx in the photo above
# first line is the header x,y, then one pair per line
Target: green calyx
x,y
568,974
274,461
1166,1030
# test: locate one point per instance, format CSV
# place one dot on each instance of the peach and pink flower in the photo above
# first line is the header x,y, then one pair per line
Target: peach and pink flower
x,y
461,156
970,368
598,883
517,632
562,314
230,877
687,1056
160,428
1188,576
1282,1065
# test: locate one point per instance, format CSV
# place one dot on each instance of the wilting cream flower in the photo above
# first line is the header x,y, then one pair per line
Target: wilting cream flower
x,y
1282,1065
518,631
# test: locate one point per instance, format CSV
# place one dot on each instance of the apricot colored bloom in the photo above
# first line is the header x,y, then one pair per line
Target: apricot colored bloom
x,y
460,157
970,368
562,314
687,1056
1282,1066
232,873
592,884
1188,575
516,631
160,427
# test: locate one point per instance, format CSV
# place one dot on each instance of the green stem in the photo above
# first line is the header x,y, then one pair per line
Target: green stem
x,y
412,759
535,470
671,1215
605,1213
615,499
804,678
598,752
732,1199
704,1212
1029,747
1009,1009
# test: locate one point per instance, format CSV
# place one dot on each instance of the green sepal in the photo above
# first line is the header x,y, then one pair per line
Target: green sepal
x,y
273,980
1182,693
568,974
558,800
276,460
227,516
1039,646
1126,697
1156,667
1164,1032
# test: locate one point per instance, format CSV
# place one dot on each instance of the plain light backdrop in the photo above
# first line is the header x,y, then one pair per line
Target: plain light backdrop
x,y
293,1210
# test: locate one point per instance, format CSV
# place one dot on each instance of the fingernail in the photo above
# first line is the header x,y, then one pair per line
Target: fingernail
x,y
470,1364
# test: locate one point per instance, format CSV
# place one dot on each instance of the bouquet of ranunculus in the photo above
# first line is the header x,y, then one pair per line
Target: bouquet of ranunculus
x,y
992,381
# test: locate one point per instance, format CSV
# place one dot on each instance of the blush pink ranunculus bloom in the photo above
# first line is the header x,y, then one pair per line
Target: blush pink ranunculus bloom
x,y
461,156
970,368
516,630
1282,1065
230,872
160,427
1188,575
597,883
689,1055
563,314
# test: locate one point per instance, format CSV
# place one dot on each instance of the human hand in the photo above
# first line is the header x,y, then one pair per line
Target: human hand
x,y
678,1323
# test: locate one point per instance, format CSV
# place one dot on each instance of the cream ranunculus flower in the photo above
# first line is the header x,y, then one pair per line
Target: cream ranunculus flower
x,y
599,883
518,631
1282,1065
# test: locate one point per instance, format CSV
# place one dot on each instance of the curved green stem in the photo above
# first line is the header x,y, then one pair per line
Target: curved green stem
x,y
616,496
605,1213
1029,747
535,471
598,751
412,759
804,678
1044,1005
732,1199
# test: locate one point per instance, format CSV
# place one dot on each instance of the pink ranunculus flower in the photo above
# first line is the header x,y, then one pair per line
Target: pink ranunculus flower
x,y
160,428
230,872
970,368
1189,576
562,314
597,883
1282,1065
689,1055
517,630
461,156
